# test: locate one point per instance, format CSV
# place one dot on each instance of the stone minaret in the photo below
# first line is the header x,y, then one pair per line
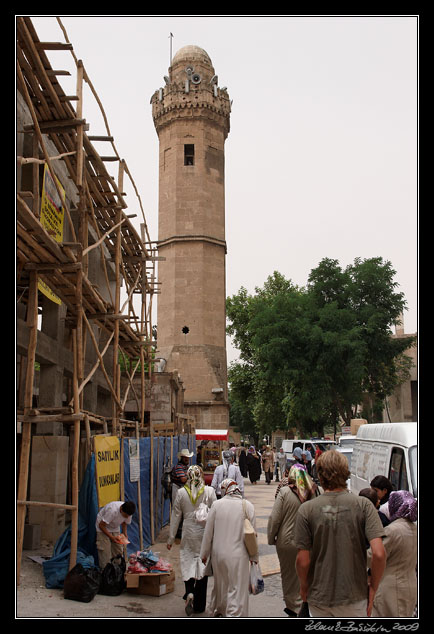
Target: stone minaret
x,y
191,116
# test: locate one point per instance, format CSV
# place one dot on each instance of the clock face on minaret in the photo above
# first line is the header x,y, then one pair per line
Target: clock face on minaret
x,y
191,115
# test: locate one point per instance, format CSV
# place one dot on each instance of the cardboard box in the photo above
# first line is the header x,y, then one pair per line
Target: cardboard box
x,y
151,583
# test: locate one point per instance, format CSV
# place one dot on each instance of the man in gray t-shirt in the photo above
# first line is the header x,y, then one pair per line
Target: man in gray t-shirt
x,y
330,535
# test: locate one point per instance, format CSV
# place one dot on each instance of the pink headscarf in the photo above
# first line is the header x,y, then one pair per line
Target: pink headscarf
x,y
402,504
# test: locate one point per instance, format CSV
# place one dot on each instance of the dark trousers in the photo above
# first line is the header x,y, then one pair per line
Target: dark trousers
x,y
197,587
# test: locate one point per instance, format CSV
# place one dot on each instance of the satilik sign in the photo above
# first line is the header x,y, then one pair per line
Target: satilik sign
x,y
107,469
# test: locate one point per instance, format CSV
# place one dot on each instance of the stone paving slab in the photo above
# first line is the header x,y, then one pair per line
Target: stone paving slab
x,y
261,495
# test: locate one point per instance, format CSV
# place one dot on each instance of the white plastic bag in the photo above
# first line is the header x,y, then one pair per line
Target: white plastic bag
x,y
256,582
201,513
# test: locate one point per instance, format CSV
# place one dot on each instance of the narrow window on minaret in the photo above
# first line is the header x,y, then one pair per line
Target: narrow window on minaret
x,y
188,154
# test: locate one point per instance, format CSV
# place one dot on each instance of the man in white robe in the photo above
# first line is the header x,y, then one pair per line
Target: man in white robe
x,y
227,470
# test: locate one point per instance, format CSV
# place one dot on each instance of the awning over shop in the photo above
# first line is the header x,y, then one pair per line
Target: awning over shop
x,y
212,434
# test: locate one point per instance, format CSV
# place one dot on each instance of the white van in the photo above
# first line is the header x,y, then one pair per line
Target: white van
x,y
387,449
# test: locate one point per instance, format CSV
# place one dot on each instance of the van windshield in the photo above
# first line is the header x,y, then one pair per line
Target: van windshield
x,y
412,459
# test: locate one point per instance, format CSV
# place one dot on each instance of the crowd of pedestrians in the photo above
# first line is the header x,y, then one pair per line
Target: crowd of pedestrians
x,y
340,554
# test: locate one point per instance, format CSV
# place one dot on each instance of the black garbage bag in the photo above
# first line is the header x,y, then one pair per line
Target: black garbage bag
x,y
113,577
81,584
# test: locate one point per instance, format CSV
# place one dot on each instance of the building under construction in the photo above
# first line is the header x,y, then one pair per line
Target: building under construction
x,y
85,281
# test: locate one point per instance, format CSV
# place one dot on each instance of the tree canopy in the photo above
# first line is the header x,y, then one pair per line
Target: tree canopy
x,y
310,355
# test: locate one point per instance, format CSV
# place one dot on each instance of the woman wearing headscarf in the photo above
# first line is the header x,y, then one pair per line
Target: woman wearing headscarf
x,y
297,461
242,462
187,501
281,461
268,463
223,547
397,593
280,532
253,465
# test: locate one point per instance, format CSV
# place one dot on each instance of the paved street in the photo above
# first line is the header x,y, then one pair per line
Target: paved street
x,y
262,497
268,604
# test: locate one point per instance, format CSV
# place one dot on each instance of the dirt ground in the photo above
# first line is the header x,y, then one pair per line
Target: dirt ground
x,y
34,601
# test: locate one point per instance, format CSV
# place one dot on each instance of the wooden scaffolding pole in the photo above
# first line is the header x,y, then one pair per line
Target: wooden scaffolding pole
x,y
32,323
142,357
80,128
139,494
76,445
151,486
116,368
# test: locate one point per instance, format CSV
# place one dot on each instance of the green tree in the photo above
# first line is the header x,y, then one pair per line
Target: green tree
x,y
256,403
310,355
241,399
368,291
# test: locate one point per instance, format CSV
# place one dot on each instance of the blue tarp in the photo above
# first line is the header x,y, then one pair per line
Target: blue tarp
x,y
161,511
56,568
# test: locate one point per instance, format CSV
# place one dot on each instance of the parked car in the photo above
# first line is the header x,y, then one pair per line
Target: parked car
x,y
387,449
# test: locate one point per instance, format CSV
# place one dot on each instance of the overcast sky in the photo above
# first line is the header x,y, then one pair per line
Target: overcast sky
x,y
321,159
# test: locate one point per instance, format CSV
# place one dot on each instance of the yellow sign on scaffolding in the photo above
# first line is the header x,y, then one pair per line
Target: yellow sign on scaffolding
x,y
107,469
52,214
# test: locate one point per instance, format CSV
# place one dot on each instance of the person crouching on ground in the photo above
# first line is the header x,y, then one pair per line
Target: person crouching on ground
x,y
109,521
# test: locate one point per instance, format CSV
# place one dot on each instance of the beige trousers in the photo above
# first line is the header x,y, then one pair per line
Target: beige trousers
x,y
107,549
349,610
290,581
